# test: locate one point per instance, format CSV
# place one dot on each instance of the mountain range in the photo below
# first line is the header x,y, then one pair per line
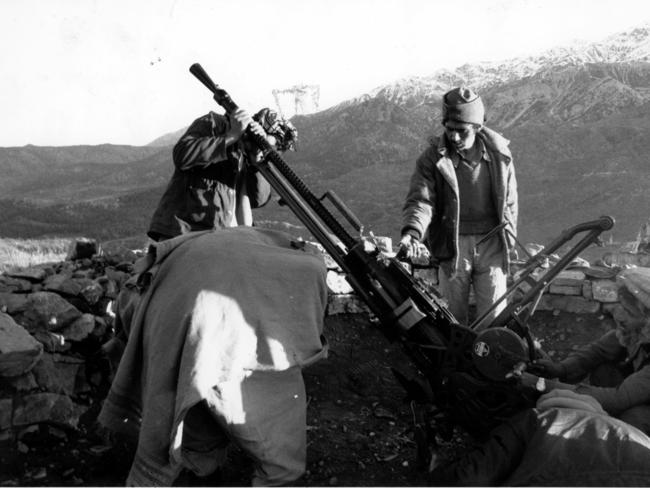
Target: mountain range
x,y
578,118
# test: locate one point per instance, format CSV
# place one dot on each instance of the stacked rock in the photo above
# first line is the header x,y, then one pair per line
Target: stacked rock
x,y
54,319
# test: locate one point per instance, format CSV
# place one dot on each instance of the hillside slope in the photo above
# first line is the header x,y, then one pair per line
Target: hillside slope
x,y
578,118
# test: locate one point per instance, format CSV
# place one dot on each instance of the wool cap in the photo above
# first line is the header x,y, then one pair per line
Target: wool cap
x,y
284,131
463,105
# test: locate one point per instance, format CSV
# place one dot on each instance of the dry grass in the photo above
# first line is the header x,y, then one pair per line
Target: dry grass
x,y
21,253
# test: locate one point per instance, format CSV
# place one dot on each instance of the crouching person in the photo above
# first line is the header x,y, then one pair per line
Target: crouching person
x,y
566,440
617,365
214,355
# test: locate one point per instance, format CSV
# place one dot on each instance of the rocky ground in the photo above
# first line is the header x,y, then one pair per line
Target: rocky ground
x,y
360,429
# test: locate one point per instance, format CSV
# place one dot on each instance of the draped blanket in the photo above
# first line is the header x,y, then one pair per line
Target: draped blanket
x,y
220,305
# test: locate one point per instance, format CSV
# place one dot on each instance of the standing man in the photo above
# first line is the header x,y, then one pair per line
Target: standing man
x,y
215,183
462,202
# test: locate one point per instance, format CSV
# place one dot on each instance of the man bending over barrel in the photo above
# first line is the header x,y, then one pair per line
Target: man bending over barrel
x,y
225,322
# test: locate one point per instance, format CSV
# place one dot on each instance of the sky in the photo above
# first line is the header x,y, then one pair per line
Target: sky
x,y
117,71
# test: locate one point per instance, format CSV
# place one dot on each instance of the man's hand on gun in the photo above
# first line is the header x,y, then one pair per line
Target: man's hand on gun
x,y
548,368
240,120
411,249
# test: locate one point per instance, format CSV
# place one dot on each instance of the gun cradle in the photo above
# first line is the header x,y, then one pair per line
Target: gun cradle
x,y
463,371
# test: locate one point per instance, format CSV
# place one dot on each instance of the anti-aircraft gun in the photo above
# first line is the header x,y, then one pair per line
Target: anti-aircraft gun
x,y
474,374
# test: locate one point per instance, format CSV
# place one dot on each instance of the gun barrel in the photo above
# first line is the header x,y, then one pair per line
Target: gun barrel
x,y
220,95
297,200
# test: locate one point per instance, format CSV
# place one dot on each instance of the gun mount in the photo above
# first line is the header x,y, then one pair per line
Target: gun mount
x,y
467,372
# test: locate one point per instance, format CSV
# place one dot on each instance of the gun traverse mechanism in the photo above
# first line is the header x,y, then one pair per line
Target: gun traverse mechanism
x,y
468,372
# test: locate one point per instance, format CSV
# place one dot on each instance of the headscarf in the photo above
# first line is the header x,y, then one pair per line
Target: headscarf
x,y
284,132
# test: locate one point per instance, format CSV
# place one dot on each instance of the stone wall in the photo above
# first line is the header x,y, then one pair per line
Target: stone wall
x,y
582,288
54,320
593,289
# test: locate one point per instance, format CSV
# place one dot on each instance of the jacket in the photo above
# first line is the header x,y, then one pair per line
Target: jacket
x,y
555,447
202,192
195,334
635,388
432,206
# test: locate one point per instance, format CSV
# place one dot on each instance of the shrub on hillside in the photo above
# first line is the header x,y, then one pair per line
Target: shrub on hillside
x,y
21,253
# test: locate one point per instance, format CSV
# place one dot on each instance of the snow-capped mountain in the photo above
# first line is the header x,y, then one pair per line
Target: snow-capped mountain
x,y
624,47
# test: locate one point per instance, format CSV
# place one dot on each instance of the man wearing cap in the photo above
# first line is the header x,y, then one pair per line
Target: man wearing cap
x,y
617,364
566,440
215,184
462,201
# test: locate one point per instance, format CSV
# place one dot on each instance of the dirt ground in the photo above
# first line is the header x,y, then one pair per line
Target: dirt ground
x,y
360,429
